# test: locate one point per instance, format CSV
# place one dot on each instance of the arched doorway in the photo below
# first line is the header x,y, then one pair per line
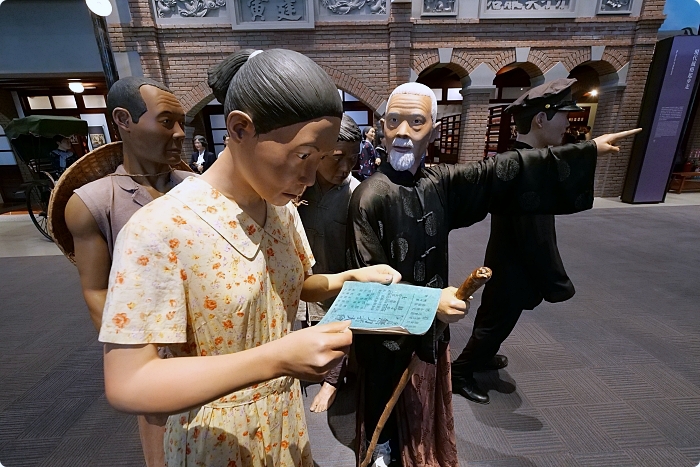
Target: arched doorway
x,y
357,110
447,86
511,82
585,93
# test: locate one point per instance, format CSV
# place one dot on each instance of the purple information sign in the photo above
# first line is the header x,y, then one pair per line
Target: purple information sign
x,y
674,99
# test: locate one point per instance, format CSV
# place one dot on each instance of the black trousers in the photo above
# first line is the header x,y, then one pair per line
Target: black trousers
x,y
495,319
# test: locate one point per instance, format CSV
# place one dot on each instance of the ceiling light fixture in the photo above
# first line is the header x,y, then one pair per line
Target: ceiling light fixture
x,y
100,7
594,92
76,87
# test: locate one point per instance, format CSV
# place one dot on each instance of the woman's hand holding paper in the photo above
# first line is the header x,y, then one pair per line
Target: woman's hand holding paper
x,y
380,273
308,354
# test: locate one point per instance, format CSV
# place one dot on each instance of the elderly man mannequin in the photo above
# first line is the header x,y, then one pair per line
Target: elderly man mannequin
x,y
150,120
402,217
522,250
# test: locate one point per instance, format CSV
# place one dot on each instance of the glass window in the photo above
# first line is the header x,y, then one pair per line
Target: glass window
x,y
350,98
94,101
39,102
218,136
65,102
438,94
7,158
360,116
453,94
217,121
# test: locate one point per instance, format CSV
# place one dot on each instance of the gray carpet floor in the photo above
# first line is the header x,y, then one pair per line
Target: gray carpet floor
x,y
609,378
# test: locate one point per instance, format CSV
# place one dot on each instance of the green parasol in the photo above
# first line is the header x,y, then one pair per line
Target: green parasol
x,y
47,126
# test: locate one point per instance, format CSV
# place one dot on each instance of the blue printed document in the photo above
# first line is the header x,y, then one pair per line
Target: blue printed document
x,y
385,309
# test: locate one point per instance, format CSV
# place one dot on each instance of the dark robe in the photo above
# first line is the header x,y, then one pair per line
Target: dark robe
x,y
523,255
404,220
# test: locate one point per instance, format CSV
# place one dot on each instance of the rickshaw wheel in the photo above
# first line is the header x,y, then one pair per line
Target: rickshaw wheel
x,y
38,207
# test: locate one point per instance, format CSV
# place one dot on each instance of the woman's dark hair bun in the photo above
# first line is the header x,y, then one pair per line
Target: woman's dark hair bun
x,y
275,88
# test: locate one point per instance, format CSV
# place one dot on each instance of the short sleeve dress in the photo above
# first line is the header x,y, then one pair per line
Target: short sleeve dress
x,y
193,271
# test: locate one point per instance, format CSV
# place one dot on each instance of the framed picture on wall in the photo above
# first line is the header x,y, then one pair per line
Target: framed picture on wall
x,y
97,137
97,140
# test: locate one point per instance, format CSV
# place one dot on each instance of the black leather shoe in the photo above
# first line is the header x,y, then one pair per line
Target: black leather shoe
x,y
495,363
467,387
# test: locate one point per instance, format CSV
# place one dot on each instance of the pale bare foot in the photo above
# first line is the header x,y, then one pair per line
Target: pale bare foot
x,y
324,399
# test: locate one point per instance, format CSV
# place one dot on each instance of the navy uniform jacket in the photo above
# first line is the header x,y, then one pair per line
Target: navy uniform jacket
x,y
522,252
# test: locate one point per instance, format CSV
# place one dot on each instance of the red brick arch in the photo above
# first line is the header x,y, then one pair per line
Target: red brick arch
x,y
538,62
603,67
576,57
422,61
469,59
196,98
354,86
502,59
617,57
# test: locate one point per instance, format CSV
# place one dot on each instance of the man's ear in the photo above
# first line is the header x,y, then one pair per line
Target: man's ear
x,y
539,119
122,118
239,125
435,133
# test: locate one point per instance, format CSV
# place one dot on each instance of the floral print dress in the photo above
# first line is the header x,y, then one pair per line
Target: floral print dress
x,y
194,272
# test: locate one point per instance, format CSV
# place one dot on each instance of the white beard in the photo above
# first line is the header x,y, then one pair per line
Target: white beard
x,y
401,161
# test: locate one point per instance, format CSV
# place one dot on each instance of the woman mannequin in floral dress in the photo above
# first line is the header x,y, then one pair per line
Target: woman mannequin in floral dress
x,y
215,269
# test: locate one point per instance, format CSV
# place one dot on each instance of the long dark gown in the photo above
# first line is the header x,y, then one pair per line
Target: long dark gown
x,y
404,220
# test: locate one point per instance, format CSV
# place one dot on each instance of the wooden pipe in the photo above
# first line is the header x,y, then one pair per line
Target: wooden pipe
x,y
471,284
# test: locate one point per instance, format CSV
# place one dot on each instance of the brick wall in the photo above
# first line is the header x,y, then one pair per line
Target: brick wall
x,y
475,113
370,59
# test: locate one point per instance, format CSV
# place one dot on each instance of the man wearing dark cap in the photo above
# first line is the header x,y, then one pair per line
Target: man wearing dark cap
x,y
522,249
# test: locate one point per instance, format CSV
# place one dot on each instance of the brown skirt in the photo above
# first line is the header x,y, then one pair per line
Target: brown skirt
x,y
424,417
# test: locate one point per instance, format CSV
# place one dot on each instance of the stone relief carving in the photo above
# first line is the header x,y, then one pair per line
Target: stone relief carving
x,y
444,7
187,8
257,9
501,5
615,6
345,7
286,10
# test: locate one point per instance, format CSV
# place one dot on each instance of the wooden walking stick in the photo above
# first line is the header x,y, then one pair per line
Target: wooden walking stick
x,y
471,284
